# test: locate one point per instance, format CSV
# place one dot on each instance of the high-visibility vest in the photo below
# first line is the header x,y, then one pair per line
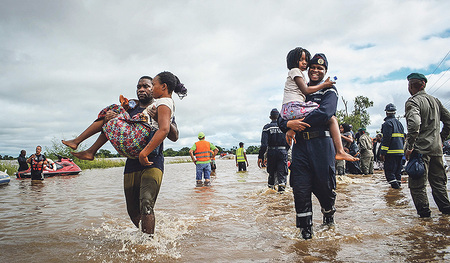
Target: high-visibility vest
x,y
240,155
202,151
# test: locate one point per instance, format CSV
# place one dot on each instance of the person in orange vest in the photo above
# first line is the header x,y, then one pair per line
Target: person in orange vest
x,y
202,159
37,162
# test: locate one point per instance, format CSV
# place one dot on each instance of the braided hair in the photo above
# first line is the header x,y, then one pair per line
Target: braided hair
x,y
173,83
294,56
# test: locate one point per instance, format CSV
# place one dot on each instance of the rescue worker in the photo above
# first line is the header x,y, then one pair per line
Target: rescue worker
x,y
313,154
273,140
423,116
365,149
241,158
202,159
37,162
392,144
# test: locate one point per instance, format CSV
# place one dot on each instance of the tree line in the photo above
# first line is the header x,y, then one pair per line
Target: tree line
x,y
185,151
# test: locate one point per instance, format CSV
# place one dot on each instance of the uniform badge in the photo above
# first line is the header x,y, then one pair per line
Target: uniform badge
x,y
320,61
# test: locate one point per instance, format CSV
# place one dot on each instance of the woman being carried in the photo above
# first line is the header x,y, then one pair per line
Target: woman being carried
x,y
136,137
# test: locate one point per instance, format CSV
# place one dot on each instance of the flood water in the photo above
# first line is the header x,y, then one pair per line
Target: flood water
x,y
83,218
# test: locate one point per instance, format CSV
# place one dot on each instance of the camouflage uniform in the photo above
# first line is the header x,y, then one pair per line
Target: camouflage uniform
x,y
365,148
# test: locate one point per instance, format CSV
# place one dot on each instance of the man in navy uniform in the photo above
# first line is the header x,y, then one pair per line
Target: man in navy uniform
x,y
392,147
313,154
273,140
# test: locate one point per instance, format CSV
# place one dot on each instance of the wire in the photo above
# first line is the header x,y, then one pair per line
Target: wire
x,y
439,65
429,89
446,104
440,86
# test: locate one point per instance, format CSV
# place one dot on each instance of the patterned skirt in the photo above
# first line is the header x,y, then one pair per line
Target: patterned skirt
x,y
297,110
128,135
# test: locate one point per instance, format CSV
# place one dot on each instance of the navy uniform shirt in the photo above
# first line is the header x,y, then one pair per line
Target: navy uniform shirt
x,y
272,136
393,136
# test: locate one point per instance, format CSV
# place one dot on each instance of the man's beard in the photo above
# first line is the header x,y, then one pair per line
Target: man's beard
x,y
146,100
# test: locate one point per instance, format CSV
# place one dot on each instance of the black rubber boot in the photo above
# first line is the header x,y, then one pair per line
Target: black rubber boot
x,y
307,232
281,188
395,185
425,215
328,220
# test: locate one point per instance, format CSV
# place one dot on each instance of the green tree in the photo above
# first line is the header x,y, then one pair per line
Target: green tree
x,y
103,153
252,149
170,152
220,149
359,117
184,151
58,149
233,149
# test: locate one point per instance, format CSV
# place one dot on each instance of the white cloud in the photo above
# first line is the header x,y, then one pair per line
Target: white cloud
x,y
61,62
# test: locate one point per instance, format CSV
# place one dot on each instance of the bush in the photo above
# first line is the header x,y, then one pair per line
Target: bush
x,y
11,168
99,163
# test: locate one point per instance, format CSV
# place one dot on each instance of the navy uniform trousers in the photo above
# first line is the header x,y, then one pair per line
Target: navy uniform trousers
x,y
277,166
313,171
393,168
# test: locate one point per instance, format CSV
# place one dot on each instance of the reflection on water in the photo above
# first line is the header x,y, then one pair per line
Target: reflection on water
x,y
238,219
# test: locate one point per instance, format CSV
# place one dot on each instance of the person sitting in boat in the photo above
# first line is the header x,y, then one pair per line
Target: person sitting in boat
x,y
37,162
130,135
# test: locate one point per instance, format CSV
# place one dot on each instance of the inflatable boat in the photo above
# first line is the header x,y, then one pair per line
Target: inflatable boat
x,y
4,178
64,166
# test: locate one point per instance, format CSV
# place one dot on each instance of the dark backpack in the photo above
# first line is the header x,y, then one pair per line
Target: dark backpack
x,y
415,167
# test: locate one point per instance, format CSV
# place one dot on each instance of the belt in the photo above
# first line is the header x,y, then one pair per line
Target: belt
x,y
277,147
314,134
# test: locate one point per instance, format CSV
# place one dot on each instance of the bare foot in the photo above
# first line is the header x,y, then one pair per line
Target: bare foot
x,y
345,156
84,155
70,143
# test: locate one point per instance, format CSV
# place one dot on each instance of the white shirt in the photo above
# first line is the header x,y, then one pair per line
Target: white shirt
x,y
291,91
161,101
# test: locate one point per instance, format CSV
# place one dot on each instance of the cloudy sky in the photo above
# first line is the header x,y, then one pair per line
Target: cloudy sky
x,y
62,61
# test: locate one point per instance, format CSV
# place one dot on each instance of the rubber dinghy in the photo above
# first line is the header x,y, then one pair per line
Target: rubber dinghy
x,y
64,166
4,178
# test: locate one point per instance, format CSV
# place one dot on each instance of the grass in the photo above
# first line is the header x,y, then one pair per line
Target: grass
x,y
8,166
99,163
178,160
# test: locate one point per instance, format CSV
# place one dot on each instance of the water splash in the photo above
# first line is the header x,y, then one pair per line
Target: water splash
x,y
117,239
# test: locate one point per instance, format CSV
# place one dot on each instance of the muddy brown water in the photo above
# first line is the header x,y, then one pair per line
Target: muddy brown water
x,y
83,219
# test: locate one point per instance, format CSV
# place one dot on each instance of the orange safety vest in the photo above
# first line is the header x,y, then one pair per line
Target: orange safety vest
x,y
202,151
